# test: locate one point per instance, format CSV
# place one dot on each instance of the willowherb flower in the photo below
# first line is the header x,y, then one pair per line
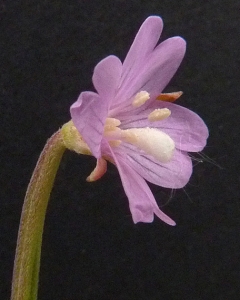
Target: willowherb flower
x,y
131,124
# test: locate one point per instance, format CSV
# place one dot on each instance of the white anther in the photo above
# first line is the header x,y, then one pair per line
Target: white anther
x,y
111,124
140,98
112,121
159,114
113,132
129,136
115,143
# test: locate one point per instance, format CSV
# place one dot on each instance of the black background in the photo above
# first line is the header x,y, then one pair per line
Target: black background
x,y
91,248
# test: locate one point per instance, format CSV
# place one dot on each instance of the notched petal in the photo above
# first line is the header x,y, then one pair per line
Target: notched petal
x,y
141,200
106,76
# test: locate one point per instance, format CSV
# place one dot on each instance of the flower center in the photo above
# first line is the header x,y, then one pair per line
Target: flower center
x,y
152,141
111,131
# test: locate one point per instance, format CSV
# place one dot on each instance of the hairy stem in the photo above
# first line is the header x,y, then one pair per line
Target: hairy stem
x,y
28,252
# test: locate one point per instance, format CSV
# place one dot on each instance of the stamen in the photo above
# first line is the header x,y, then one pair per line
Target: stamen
x,y
170,97
111,124
129,136
112,132
112,121
140,98
115,143
159,114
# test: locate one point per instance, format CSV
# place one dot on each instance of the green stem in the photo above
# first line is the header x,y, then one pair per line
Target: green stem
x,y
28,252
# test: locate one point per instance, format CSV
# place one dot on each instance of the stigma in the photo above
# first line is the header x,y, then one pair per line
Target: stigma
x,y
152,141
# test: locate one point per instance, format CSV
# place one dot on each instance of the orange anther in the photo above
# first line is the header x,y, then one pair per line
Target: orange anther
x,y
169,97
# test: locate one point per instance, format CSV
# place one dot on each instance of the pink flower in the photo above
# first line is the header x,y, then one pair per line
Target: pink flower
x,y
125,123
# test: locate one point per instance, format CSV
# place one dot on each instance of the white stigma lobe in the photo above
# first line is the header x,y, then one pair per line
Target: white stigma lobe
x,y
152,141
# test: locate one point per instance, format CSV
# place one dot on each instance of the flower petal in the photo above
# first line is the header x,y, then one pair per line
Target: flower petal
x,y
106,76
89,113
143,44
162,65
174,174
141,201
185,127
154,74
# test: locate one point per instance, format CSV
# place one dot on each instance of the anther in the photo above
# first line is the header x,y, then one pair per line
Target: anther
x,y
111,124
140,98
129,136
115,143
170,97
159,114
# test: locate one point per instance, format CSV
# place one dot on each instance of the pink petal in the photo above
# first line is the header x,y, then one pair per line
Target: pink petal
x,y
162,65
194,137
143,44
141,201
185,127
174,174
106,77
154,74
89,113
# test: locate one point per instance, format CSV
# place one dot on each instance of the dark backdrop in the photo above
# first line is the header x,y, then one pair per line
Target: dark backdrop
x,y
91,248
